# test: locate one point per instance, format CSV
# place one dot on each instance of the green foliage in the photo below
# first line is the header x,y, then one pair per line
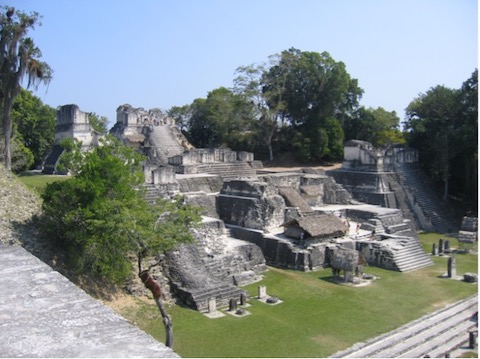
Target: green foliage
x,y
315,93
376,126
34,124
20,58
71,159
100,216
98,123
22,157
223,119
443,125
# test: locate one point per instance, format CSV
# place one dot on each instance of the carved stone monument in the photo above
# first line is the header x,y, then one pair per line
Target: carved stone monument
x,y
262,292
452,267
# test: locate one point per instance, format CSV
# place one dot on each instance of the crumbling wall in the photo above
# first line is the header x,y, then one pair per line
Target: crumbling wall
x,y
251,204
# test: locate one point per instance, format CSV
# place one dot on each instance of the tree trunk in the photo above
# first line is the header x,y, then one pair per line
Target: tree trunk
x,y
154,287
7,130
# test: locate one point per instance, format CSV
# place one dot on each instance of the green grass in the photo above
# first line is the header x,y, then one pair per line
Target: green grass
x,y
317,317
38,182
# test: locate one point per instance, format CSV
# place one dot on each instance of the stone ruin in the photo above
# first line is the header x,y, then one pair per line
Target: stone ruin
x,y
302,220
391,177
468,233
71,123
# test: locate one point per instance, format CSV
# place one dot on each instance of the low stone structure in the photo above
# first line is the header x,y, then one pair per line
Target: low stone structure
x,y
350,261
213,267
468,233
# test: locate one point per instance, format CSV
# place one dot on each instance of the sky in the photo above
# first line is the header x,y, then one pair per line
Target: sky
x,y
164,53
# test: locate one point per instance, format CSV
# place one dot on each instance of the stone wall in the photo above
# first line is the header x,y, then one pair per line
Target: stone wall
x,y
73,123
283,253
362,156
251,204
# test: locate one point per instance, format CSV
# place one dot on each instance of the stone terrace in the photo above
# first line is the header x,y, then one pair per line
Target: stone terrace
x,y
435,335
42,314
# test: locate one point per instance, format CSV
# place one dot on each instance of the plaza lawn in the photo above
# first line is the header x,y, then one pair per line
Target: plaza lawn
x,y
37,181
317,317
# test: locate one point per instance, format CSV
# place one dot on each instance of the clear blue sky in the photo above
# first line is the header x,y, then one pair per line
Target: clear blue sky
x,y
159,53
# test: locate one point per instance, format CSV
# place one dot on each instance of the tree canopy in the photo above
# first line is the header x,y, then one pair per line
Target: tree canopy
x,y
443,125
34,125
100,216
376,126
19,58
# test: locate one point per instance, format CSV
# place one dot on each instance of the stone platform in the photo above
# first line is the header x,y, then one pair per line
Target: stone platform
x,y
436,335
43,314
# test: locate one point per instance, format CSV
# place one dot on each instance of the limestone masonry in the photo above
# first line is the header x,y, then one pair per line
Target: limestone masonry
x,y
366,213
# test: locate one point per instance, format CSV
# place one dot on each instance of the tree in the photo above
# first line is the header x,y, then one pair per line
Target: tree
x,y
223,119
316,92
98,123
377,126
464,165
100,217
268,107
19,57
433,124
34,125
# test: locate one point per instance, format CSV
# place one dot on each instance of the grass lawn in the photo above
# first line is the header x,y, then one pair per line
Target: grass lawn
x,y
38,182
317,317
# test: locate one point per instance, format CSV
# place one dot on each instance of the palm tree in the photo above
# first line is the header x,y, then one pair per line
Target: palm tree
x,y
19,57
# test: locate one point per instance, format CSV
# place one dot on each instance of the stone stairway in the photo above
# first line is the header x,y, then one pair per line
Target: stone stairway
x,y
419,189
228,170
435,335
373,224
409,255
166,142
152,192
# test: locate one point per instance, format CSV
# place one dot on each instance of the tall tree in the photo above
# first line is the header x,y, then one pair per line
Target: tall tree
x,y
433,124
34,125
19,57
378,126
318,93
223,119
267,99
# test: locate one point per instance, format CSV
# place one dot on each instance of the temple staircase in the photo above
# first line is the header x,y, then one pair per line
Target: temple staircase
x,y
409,255
228,170
429,210
165,140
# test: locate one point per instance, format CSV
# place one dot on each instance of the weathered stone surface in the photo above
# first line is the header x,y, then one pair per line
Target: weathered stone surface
x,y
470,278
250,204
45,315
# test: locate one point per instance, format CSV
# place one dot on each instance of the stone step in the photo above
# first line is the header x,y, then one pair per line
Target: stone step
x,y
428,337
442,343
407,333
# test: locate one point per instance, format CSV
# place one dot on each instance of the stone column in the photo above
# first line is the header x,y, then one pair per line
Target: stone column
x,y
446,245
452,267
440,246
233,305
212,305
434,249
262,292
243,299
472,340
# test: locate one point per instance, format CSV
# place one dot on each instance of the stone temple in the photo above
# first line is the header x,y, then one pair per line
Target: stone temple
x,y
368,212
